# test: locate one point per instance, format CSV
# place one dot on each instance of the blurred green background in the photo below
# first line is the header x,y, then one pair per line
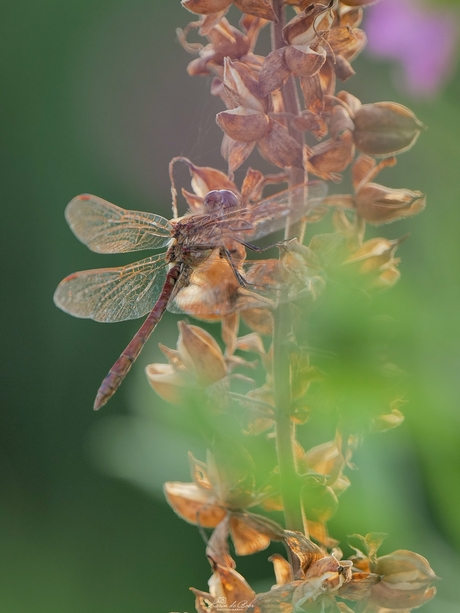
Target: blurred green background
x,y
96,99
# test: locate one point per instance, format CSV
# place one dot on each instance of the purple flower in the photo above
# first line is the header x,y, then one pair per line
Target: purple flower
x,y
422,40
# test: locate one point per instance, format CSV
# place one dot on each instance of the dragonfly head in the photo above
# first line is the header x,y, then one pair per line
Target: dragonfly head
x,y
221,201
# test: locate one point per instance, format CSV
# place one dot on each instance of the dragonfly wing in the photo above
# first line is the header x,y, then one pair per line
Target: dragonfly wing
x,y
113,294
107,228
272,213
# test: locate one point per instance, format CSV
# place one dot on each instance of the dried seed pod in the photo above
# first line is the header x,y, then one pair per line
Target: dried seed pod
x,y
378,204
405,579
385,128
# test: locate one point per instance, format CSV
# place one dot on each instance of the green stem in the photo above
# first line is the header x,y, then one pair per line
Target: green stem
x,y
285,430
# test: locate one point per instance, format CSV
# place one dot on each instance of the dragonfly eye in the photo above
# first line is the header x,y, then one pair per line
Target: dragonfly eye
x,y
221,200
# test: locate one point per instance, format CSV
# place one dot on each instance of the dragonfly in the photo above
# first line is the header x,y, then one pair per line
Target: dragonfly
x,y
200,273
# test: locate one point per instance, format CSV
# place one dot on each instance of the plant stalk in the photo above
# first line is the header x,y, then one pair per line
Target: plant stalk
x,y
285,429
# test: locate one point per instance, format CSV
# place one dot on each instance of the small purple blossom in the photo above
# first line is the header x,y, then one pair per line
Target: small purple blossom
x,y
423,41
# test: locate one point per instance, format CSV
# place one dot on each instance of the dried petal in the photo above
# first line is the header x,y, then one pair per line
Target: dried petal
x,y
365,169
259,320
352,102
327,78
312,94
351,17
371,542
347,41
279,148
309,27
391,420
303,60
274,72
235,153
277,600
340,121
259,8
203,601
324,575
282,568
229,331
251,533
374,253
217,547
251,342
206,179
343,68
227,587
309,122
319,502
194,202
199,472
331,157
242,125
307,552
167,383
359,587
194,504
241,87
201,354
205,7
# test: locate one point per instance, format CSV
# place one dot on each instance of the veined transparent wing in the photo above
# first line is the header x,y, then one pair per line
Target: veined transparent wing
x,y
113,294
271,214
107,228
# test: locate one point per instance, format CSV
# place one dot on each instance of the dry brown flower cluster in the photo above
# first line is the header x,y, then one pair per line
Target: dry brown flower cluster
x,y
278,104
289,106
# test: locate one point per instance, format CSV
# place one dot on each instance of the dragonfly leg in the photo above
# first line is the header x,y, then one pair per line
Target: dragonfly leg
x,y
239,277
225,253
266,248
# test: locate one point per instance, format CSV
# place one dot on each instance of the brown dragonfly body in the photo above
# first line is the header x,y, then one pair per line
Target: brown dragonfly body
x,y
202,249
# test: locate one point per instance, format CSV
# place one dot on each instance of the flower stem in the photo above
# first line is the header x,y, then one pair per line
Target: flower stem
x,y
285,429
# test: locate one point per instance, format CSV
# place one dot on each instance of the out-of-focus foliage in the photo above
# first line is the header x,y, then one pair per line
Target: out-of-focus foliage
x,y
96,99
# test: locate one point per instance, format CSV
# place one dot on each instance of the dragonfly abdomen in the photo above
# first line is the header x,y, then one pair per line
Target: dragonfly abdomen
x,y
121,367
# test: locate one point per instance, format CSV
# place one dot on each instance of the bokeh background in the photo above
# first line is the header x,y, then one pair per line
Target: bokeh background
x,y
95,98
